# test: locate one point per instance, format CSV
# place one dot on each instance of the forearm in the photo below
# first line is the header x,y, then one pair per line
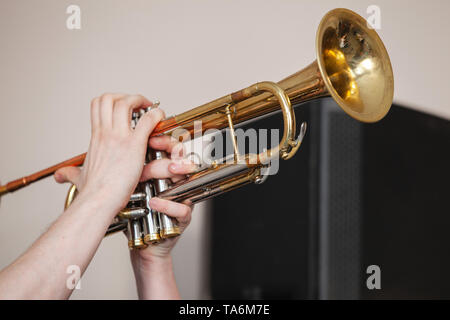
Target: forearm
x,y
152,266
41,272
155,279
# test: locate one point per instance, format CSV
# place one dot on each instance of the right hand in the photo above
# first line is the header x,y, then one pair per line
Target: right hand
x,y
175,169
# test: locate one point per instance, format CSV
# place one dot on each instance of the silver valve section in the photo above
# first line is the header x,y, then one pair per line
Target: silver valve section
x,y
150,223
168,225
144,225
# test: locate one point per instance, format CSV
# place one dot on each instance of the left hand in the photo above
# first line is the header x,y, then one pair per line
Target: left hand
x,y
116,154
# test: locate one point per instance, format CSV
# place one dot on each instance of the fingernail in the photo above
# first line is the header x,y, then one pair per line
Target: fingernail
x,y
182,166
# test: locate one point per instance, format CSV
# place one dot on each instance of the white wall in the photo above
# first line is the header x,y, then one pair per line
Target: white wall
x,y
184,53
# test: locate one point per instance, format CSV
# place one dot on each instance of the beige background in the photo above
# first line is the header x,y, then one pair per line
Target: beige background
x,y
184,53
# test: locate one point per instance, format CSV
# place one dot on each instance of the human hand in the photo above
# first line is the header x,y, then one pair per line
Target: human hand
x,y
175,168
116,154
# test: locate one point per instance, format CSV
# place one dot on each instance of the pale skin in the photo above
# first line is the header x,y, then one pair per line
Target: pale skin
x,y
113,167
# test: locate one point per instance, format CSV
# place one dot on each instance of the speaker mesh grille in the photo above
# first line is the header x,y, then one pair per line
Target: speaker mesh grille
x,y
340,206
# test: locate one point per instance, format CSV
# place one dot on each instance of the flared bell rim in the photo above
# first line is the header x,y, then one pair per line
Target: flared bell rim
x,y
371,111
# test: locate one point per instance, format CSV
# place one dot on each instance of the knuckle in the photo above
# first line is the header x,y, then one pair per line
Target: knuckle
x,y
106,95
106,98
143,100
121,106
94,106
185,211
94,102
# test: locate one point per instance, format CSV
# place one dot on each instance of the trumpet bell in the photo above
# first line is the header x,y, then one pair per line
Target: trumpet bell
x,y
354,65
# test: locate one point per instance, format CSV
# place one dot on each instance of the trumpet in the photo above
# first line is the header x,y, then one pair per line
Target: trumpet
x,y
352,66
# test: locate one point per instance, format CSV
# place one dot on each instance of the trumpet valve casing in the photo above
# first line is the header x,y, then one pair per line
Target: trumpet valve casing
x,y
135,240
150,222
168,226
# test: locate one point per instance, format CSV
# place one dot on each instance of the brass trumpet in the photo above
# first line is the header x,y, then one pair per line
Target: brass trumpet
x,y
352,67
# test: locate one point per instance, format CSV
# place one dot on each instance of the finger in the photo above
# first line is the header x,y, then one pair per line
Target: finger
x,y
106,108
180,211
184,167
147,124
157,169
183,224
189,204
164,143
167,168
68,174
95,115
123,109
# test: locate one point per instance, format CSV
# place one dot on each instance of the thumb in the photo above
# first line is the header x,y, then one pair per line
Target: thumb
x,y
68,174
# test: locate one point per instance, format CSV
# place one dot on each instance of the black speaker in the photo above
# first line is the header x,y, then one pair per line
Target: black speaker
x,y
406,207
354,195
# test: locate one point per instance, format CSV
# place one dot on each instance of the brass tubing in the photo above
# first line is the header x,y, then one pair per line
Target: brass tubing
x,y
300,87
219,188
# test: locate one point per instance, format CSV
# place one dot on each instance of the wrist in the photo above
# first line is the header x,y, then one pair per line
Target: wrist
x,y
100,201
155,278
153,263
